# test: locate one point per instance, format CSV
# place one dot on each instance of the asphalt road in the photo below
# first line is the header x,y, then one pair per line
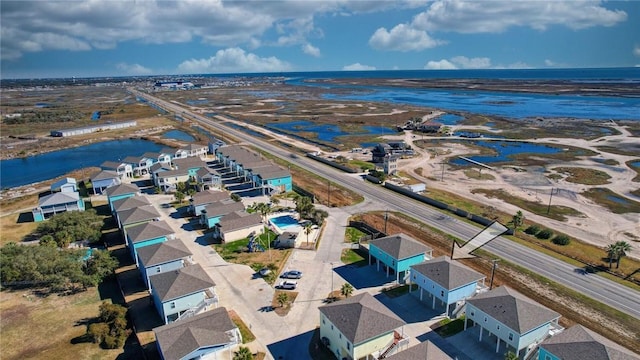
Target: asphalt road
x,y
608,292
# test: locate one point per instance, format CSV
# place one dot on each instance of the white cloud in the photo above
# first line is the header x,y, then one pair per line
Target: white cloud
x,y
311,50
440,65
549,63
497,16
402,38
233,60
133,69
358,67
636,50
459,62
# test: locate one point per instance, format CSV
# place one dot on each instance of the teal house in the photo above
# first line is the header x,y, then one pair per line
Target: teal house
x,y
446,283
580,343
146,234
56,203
212,213
396,253
120,192
162,257
182,293
273,179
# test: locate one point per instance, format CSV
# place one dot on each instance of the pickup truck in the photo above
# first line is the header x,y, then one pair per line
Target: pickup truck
x,y
287,285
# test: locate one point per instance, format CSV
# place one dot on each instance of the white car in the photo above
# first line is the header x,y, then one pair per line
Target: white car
x,y
287,285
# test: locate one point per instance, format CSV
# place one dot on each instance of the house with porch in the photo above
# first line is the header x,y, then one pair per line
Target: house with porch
x,y
511,318
175,153
446,283
182,293
162,257
168,180
136,216
103,180
210,335
397,253
120,192
56,203
237,225
158,158
361,327
149,233
124,170
140,164
190,164
212,213
273,179
200,200
196,150
580,343
424,350
208,179
67,184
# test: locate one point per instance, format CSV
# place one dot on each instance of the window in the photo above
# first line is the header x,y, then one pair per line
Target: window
x,y
323,321
331,327
158,269
510,336
485,319
340,336
473,313
348,346
442,293
498,327
173,304
547,357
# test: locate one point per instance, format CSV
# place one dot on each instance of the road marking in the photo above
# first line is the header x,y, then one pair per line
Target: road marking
x,y
489,233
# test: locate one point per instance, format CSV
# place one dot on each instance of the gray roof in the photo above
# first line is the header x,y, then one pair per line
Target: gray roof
x,y
223,207
361,317
59,198
400,246
130,203
580,343
194,147
513,309
64,181
239,220
446,273
208,329
132,159
149,230
163,252
110,165
208,197
425,350
139,214
272,172
159,166
122,189
189,162
202,172
182,282
105,174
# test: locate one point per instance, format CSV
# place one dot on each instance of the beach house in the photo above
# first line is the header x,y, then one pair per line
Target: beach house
x,y
212,213
425,350
237,225
361,327
396,253
162,257
446,284
120,192
122,169
55,203
146,234
200,200
580,343
103,180
182,292
511,318
210,335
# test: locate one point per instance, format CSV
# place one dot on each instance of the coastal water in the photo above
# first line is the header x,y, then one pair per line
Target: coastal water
x,y
23,171
505,150
327,132
178,135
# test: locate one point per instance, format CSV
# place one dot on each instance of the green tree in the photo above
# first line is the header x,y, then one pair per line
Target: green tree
x,y
243,353
282,299
517,221
179,196
304,206
611,253
98,332
622,248
318,216
510,356
48,240
265,210
72,226
346,290
111,332
100,265
307,231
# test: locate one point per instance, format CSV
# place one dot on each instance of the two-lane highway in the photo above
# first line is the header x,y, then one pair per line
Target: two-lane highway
x,y
608,292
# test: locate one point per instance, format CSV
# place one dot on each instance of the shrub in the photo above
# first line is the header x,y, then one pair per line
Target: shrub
x,y
561,239
532,230
544,234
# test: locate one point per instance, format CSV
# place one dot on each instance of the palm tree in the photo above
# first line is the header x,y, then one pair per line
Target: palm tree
x,y
346,290
265,210
517,221
611,253
622,248
243,353
282,299
307,231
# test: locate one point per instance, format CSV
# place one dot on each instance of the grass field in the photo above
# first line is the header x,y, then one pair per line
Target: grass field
x,y
584,176
556,212
353,257
34,327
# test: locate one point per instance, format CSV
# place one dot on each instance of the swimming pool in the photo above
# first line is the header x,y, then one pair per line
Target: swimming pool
x,y
285,222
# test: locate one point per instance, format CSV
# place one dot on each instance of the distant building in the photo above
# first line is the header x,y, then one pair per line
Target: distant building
x,y
92,129
390,164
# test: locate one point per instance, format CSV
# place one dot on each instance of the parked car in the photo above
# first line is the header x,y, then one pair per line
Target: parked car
x,y
287,285
264,271
292,274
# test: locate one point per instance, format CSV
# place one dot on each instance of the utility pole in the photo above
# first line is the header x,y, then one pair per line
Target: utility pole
x,y
493,271
442,176
550,197
386,217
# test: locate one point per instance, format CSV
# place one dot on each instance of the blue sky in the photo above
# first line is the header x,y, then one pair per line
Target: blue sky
x,y
146,37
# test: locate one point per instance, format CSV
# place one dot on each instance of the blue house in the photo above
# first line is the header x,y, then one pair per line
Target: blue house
x,y
146,234
162,257
103,180
200,200
446,283
273,179
512,318
210,335
120,192
208,179
580,343
65,185
397,253
183,292
212,213
55,203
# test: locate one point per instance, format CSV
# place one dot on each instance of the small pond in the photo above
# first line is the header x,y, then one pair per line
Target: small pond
x,y
449,119
178,135
327,132
505,150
